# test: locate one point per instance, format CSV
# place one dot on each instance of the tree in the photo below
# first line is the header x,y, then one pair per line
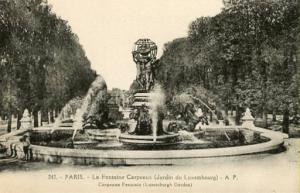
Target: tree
x,y
43,64
246,56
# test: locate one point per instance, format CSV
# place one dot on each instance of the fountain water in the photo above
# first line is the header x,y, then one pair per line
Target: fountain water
x,y
95,94
79,121
64,113
203,103
157,101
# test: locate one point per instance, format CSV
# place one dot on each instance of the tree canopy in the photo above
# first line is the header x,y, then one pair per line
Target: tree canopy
x,y
42,64
245,56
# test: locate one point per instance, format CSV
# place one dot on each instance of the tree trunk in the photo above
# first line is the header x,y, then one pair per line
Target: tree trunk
x,y
19,117
52,117
285,122
57,112
41,114
265,118
226,110
295,114
237,115
35,118
9,123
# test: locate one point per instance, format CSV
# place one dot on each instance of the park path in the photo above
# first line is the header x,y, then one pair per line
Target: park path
x,y
11,162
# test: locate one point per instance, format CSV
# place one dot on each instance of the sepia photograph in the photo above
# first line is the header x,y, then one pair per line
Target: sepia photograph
x,y
149,96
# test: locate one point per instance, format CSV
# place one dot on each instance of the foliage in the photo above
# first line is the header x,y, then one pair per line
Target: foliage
x,y
245,56
42,64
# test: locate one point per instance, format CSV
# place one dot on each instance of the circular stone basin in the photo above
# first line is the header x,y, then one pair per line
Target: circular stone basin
x,y
119,154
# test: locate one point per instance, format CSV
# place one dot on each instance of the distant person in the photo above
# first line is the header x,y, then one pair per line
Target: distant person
x,y
13,148
26,144
204,120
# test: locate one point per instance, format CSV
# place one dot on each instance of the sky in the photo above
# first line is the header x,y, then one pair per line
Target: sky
x,y
107,29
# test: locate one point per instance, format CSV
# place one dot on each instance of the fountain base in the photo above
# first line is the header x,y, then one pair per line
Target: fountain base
x,y
168,139
103,135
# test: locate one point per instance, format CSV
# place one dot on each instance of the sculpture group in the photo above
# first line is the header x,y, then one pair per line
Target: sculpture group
x,y
144,55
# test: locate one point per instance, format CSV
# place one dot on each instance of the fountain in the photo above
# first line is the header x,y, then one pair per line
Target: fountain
x,y
147,136
148,101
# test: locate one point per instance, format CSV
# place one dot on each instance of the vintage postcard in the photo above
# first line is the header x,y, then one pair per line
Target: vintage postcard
x,y
149,96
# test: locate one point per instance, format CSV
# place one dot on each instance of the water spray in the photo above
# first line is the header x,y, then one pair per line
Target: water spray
x,y
157,100
89,100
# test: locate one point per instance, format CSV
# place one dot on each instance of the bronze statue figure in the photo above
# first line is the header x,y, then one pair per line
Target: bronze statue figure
x,y
144,55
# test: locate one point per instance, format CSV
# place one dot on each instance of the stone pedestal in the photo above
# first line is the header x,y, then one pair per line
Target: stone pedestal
x,y
142,114
248,122
26,120
248,119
